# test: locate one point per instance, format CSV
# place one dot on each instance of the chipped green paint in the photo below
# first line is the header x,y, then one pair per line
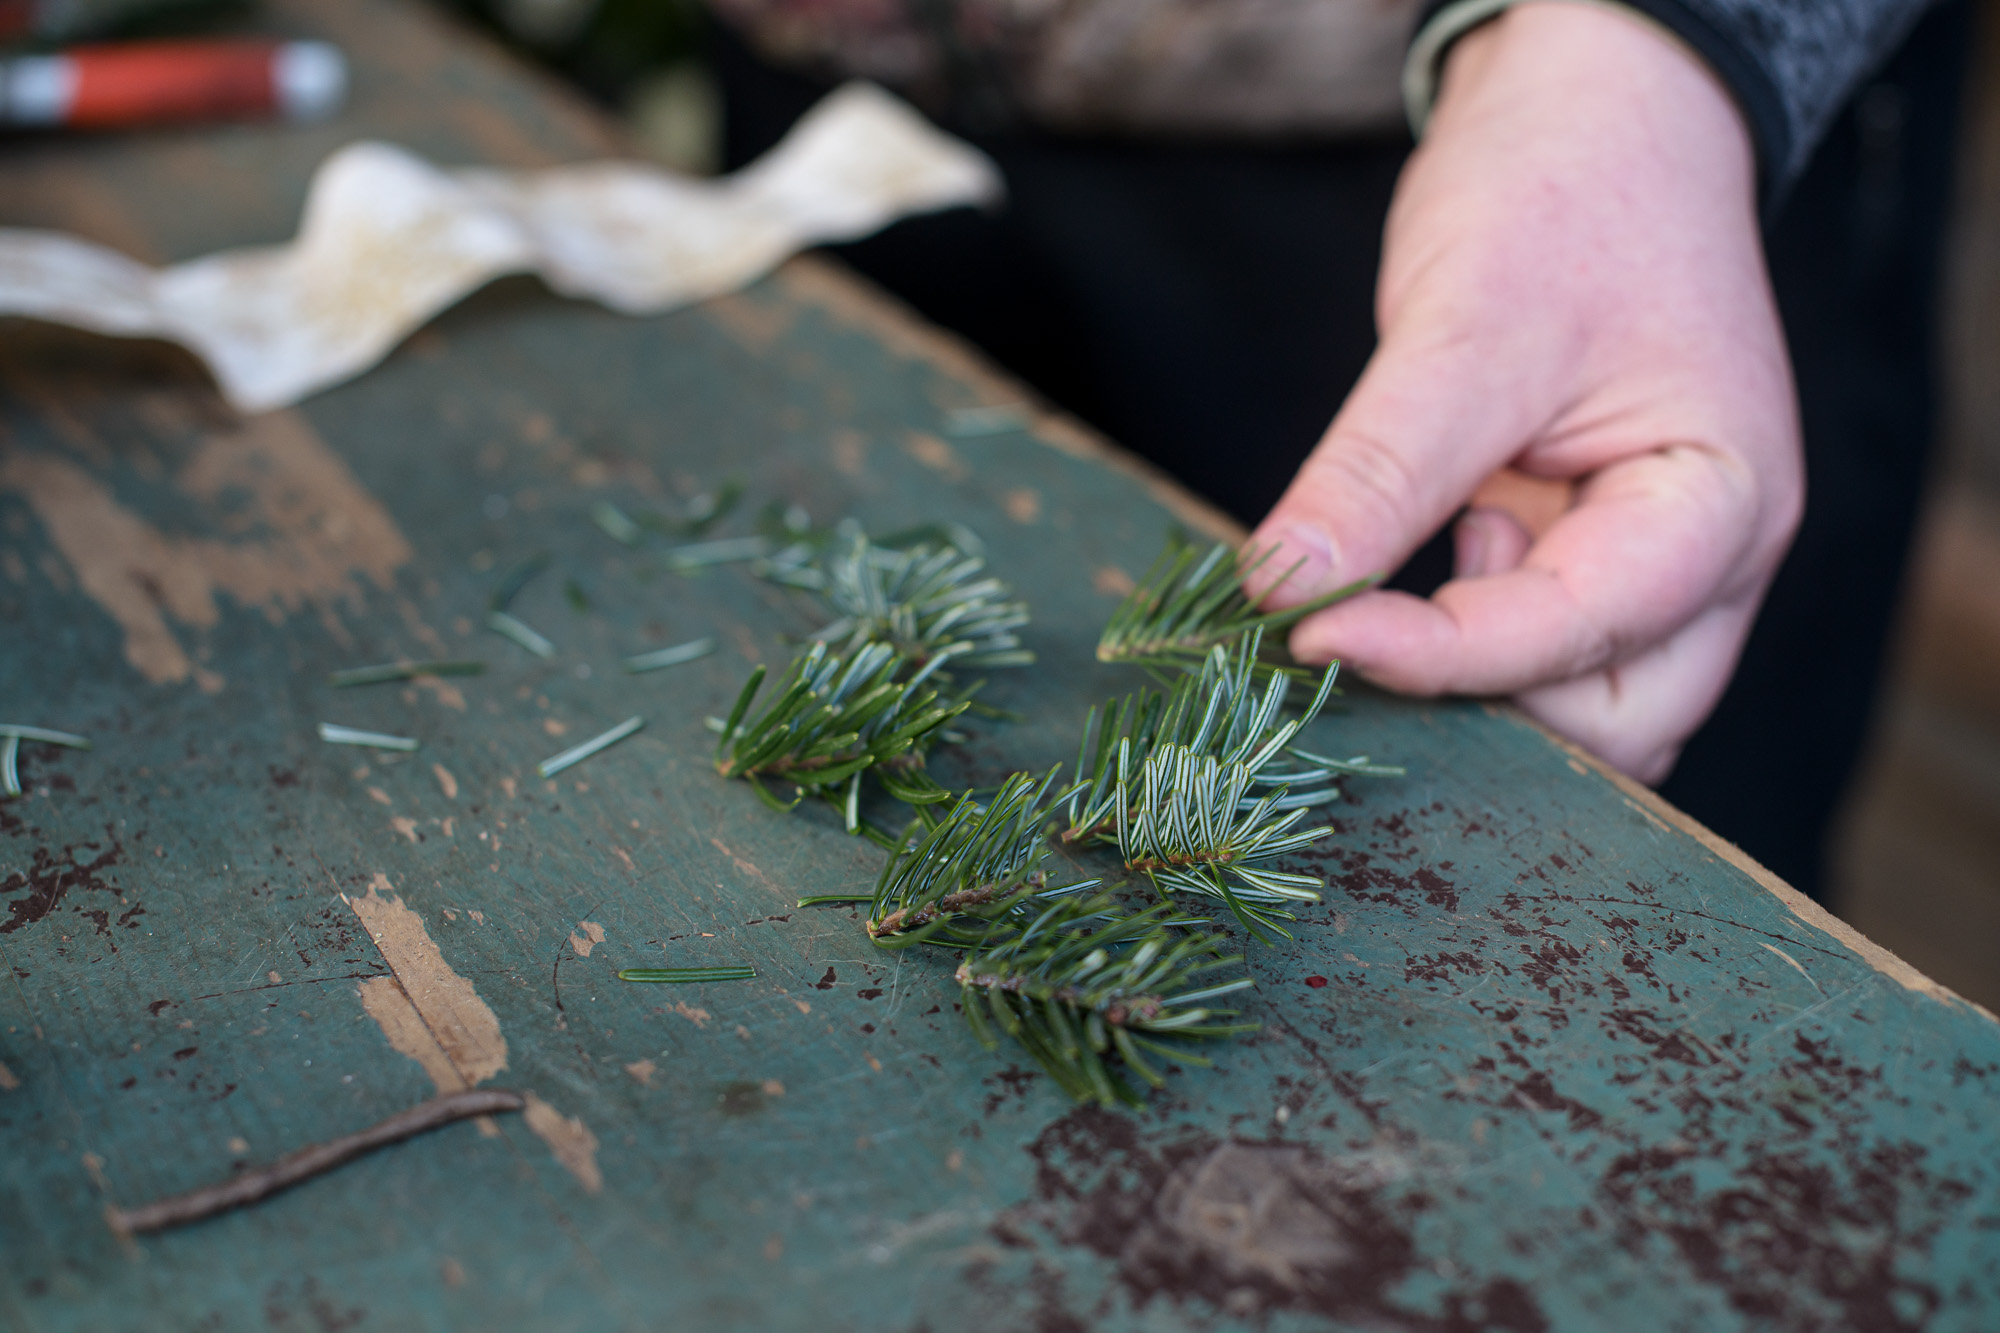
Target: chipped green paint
x,y
1542,1060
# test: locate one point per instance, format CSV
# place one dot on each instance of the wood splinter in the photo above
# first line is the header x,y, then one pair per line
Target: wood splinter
x,y
308,1162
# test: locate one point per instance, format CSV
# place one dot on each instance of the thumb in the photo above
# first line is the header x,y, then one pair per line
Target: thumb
x,y
1426,424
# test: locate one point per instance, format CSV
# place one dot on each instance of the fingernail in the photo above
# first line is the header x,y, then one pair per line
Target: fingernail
x,y
1305,560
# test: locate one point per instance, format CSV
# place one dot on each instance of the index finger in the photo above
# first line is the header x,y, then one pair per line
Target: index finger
x,y
1651,541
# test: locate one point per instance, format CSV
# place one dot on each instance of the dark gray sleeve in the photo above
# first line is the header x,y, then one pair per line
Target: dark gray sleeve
x,y
1790,63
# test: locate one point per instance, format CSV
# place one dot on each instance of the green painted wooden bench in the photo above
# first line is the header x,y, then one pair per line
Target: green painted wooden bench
x,y
1548,1056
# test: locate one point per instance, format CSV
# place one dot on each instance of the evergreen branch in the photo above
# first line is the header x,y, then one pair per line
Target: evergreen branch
x,y
1200,784
834,717
927,601
1221,712
1193,827
1190,603
920,592
1090,988
949,876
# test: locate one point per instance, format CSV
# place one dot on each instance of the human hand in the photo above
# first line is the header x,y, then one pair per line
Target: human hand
x,y
1572,287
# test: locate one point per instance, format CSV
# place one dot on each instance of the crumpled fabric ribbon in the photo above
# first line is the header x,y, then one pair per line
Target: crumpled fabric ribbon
x,y
388,241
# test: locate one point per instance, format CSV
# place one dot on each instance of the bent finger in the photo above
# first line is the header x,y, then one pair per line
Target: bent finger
x,y
1426,424
1638,713
1652,542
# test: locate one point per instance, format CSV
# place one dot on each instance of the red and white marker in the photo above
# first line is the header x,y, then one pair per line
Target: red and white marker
x,y
152,83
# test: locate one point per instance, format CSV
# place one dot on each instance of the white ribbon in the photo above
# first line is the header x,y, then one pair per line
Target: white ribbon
x,y
388,241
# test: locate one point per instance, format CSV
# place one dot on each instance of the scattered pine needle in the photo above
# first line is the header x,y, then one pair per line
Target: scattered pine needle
x,y
515,577
548,768
44,735
334,734
616,523
11,736
718,552
667,657
687,974
500,622
388,671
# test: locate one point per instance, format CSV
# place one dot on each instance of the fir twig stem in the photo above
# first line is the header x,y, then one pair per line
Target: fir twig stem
x,y
319,1158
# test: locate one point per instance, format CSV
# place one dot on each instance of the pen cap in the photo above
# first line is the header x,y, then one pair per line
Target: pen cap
x,y
310,80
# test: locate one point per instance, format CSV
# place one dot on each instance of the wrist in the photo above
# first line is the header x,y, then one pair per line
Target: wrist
x,y
1587,73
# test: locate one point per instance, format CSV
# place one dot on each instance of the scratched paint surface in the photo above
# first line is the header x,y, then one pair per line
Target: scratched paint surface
x,y
1540,1061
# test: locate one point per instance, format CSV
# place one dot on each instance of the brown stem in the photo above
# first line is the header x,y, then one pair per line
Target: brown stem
x,y
1120,1013
905,919
783,766
1222,858
1076,832
307,1162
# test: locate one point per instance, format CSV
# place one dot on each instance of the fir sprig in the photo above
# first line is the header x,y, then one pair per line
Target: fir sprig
x,y
1192,827
926,601
1201,785
924,591
1190,603
1088,986
1222,711
834,717
950,876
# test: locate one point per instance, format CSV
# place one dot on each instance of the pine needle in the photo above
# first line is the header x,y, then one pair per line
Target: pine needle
x,y
616,523
388,671
723,551
44,735
576,754
685,975
334,734
668,657
501,623
516,577
11,736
